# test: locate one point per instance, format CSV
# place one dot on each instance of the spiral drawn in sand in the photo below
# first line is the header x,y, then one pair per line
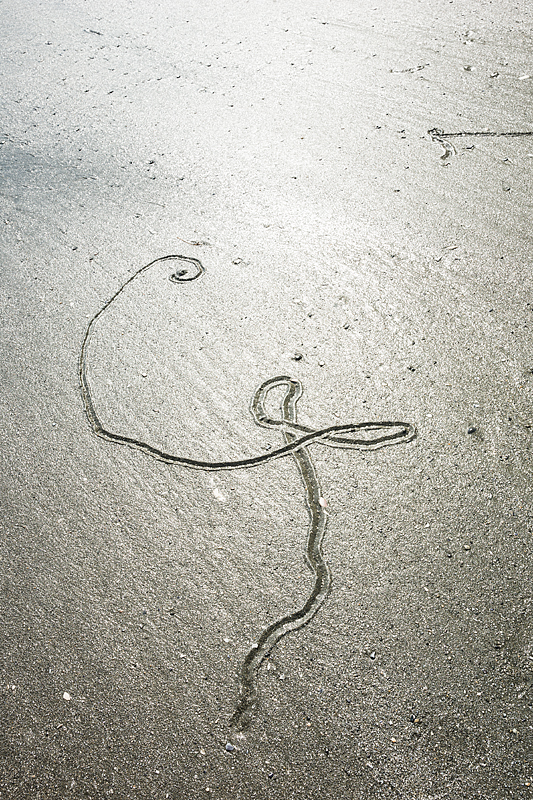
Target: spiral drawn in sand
x,y
297,438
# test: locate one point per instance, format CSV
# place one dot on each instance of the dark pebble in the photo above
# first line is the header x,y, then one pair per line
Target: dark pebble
x,y
472,430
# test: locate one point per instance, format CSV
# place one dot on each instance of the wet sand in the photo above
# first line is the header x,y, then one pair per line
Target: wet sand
x,y
286,147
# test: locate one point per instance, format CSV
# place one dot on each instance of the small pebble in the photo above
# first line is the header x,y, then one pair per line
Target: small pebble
x,y
297,357
466,547
472,429
229,747
373,654
66,696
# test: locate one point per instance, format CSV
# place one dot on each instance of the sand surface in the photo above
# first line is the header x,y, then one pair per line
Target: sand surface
x,y
285,146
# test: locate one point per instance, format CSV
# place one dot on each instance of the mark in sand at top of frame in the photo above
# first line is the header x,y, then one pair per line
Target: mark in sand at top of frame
x,y
441,137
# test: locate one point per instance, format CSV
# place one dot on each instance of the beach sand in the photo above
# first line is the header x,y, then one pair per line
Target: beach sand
x,y
286,147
